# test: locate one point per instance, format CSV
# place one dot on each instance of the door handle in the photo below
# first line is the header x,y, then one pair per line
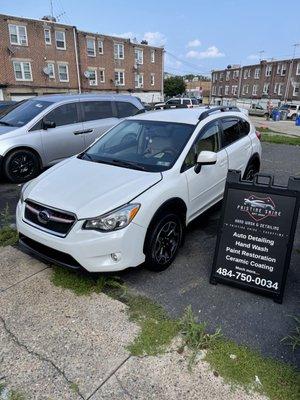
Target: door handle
x,y
83,131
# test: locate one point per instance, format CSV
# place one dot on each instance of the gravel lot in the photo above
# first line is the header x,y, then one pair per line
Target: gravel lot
x,y
247,318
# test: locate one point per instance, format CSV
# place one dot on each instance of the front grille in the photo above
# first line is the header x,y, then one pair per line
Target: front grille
x,y
47,253
56,222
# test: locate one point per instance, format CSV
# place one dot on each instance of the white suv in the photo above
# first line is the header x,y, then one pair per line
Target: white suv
x,y
178,102
127,199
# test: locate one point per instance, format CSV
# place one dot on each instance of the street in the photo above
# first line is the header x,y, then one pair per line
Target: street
x,y
247,318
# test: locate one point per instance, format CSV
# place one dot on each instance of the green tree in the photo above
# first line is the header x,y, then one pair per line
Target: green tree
x,y
174,86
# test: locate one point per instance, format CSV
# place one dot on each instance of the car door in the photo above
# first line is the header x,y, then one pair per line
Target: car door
x,y
207,186
236,141
61,141
98,116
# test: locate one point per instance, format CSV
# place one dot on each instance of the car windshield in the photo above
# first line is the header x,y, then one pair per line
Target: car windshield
x,y
23,113
139,144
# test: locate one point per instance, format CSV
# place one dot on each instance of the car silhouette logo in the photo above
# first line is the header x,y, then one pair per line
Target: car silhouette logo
x,y
259,208
44,217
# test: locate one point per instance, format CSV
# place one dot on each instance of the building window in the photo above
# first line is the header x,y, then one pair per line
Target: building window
x,y
227,75
47,36
245,89
152,79
51,70
102,75
266,88
138,56
60,40
236,73
22,70
215,77
254,90
119,51
91,47
280,89
247,73
214,90
221,76
226,90
220,90
18,35
257,73
119,78
93,81
100,46
152,56
298,69
275,87
234,90
139,80
296,90
63,72
268,70
281,69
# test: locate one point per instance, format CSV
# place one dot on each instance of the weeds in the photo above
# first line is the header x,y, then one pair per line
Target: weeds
x,y
293,339
280,139
8,235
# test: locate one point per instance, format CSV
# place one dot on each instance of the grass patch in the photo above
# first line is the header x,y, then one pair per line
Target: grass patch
x,y
82,283
280,139
276,380
8,235
293,339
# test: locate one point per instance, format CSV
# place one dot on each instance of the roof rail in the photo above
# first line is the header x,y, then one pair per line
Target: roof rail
x,y
209,111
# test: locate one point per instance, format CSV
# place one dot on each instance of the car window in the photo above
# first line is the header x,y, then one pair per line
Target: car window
x,y
65,114
186,101
244,128
195,101
208,141
231,131
173,102
293,107
126,109
93,110
23,113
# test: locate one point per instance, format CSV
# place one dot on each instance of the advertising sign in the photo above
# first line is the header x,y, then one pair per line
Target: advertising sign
x,y
256,234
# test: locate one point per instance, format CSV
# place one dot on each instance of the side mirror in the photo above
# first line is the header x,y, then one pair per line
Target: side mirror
x,y
48,124
205,158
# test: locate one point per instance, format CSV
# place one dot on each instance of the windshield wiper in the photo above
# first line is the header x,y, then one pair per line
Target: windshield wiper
x,y
5,123
129,164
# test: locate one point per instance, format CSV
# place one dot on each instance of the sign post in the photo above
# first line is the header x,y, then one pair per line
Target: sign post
x,y
256,234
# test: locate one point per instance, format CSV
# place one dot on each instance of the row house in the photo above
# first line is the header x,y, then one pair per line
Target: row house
x,y
278,81
45,57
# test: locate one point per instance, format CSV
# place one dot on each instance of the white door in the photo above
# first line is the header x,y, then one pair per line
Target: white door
x,y
206,186
236,141
97,118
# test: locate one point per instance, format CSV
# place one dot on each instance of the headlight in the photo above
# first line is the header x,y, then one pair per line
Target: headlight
x,y
114,220
21,197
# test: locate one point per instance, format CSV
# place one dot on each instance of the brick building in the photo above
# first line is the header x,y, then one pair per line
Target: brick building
x,y
276,81
46,57
199,87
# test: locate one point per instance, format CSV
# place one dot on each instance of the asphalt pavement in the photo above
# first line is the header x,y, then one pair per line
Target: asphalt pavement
x,y
245,317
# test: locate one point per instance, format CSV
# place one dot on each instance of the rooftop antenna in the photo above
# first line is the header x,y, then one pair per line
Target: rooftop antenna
x,y
51,8
295,47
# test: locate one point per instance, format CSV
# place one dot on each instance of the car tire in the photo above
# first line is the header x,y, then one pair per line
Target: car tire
x,y
21,165
162,242
250,172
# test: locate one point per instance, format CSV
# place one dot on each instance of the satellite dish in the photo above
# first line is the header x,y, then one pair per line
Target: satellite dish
x,y
87,74
47,70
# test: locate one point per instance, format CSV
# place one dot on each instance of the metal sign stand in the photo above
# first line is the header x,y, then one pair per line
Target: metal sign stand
x,y
256,234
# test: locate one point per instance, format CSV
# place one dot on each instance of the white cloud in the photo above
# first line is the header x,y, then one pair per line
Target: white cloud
x,y
210,52
194,43
155,38
253,57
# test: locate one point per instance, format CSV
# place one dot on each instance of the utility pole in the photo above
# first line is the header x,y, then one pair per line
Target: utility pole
x,y
290,72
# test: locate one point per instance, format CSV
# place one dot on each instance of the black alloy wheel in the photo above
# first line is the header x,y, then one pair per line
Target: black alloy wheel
x,y
163,242
21,166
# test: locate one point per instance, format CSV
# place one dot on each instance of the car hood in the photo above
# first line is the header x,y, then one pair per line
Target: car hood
x,y
89,189
5,129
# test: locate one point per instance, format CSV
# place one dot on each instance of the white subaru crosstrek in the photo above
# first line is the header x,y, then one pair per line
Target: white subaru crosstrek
x,y
127,199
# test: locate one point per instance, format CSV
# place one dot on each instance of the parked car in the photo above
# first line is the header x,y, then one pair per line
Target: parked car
x,y
44,130
6,105
128,198
258,110
178,102
293,110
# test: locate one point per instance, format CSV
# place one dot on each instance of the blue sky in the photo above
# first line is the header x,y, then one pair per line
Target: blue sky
x,y
198,35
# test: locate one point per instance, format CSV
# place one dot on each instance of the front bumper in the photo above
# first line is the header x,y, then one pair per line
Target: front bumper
x,y
89,249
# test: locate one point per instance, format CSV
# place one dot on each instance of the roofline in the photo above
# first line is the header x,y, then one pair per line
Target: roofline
x,y
263,62
97,34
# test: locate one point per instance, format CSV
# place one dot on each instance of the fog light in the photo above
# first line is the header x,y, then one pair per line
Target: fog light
x,y
115,256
